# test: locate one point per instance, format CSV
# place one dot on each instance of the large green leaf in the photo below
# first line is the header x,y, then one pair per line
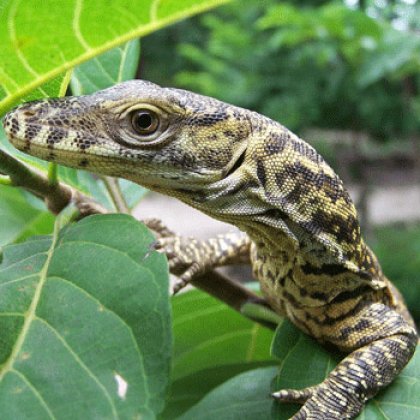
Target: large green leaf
x,y
42,39
85,321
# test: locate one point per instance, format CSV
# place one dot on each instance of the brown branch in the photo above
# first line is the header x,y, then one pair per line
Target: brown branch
x,y
228,291
56,195
232,293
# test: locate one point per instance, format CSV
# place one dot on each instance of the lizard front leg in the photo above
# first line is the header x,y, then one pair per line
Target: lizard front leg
x,y
385,343
189,257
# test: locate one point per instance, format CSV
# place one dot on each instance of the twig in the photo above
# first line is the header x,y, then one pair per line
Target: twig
x,y
56,196
230,292
114,191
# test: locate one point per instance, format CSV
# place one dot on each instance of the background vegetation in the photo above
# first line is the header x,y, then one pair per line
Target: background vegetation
x,y
87,325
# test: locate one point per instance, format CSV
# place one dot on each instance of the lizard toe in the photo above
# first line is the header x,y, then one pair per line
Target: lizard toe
x,y
293,395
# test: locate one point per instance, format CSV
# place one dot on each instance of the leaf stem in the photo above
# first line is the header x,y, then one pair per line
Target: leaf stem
x,y
114,190
53,173
260,313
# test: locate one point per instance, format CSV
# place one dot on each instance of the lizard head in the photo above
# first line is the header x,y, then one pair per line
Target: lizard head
x,y
165,139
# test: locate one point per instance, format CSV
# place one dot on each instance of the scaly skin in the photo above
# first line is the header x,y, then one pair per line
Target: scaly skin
x,y
303,237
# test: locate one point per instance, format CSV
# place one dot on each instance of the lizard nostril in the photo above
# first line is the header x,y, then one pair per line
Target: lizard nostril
x,y
29,113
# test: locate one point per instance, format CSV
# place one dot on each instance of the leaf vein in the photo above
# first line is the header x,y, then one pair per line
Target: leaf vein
x,y
30,314
76,25
98,302
82,365
35,391
15,42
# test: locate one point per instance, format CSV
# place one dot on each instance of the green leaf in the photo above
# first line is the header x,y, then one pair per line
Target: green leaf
x,y
398,249
42,40
132,192
107,69
83,313
20,220
212,344
397,56
188,391
246,396
208,333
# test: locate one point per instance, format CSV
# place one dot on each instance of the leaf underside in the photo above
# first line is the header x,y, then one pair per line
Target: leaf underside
x,y
39,45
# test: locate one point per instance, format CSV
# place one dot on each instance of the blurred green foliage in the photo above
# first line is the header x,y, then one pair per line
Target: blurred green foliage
x,y
398,249
303,63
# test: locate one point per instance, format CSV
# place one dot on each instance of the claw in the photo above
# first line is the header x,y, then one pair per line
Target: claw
x,y
179,285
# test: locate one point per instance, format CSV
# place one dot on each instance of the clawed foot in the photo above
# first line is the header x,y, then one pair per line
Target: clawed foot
x,y
187,258
321,402
158,227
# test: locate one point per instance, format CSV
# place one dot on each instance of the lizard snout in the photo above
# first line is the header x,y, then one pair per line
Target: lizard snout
x,y
22,124
12,124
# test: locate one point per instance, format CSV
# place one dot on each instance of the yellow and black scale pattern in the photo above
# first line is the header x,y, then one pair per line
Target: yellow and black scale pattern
x,y
301,232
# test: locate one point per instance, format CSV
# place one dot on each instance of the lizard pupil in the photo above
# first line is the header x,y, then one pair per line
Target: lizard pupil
x,y
144,121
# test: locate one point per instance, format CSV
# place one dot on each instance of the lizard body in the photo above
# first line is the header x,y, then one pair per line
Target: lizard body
x,y
302,233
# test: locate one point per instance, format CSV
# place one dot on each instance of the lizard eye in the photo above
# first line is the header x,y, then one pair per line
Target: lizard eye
x,y
144,121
